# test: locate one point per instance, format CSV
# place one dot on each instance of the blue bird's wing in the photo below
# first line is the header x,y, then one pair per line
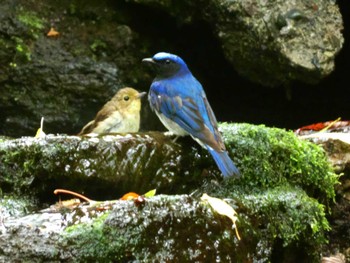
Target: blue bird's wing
x,y
176,109
191,112
214,123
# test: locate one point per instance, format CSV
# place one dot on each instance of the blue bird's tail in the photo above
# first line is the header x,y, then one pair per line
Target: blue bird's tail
x,y
224,162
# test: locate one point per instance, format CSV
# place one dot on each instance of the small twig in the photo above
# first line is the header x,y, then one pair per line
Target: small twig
x,y
63,191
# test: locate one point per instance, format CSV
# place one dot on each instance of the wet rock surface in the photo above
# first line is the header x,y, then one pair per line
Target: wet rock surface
x,y
163,228
271,43
108,164
281,200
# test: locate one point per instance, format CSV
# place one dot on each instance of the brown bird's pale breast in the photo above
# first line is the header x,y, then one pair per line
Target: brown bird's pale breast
x,y
120,114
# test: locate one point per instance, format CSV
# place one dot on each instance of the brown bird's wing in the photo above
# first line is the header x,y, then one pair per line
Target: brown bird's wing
x,y
102,115
87,128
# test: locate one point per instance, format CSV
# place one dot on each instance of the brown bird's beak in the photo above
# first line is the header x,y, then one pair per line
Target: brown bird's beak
x,y
141,94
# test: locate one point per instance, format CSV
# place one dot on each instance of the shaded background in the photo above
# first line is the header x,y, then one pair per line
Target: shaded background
x,y
236,99
105,69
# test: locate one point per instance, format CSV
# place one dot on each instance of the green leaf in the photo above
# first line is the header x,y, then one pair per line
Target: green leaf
x,y
150,193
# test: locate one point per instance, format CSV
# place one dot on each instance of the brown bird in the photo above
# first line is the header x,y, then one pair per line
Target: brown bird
x,y
120,114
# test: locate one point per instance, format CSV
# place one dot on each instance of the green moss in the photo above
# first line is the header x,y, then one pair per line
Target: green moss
x,y
76,228
98,44
98,48
16,206
95,242
270,157
17,178
288,214
88,242
29,165
23,51
30,19
23,43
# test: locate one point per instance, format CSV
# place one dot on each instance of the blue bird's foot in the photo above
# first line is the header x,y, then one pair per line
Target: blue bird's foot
x,y
171,134
224,162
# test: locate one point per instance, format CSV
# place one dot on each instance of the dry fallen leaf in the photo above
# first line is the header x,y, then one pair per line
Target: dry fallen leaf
x,y
53,33
129,196
222,208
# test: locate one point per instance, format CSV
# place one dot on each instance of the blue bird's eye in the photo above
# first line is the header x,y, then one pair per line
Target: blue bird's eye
x,y
164,61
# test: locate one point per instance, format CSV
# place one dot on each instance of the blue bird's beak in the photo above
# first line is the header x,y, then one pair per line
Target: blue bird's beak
x,y
151,63
148,61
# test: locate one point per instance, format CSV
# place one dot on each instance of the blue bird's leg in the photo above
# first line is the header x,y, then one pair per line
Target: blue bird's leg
x,y
171,134
225,164
175,139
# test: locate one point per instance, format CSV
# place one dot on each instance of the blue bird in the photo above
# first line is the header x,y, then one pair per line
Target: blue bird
x,y
180,102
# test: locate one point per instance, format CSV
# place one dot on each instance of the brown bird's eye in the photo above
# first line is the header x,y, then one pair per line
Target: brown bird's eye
x,y
126,98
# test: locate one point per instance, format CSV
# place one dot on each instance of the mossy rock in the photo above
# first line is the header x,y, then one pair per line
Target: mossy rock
x,y
281,198
272,157
283,223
